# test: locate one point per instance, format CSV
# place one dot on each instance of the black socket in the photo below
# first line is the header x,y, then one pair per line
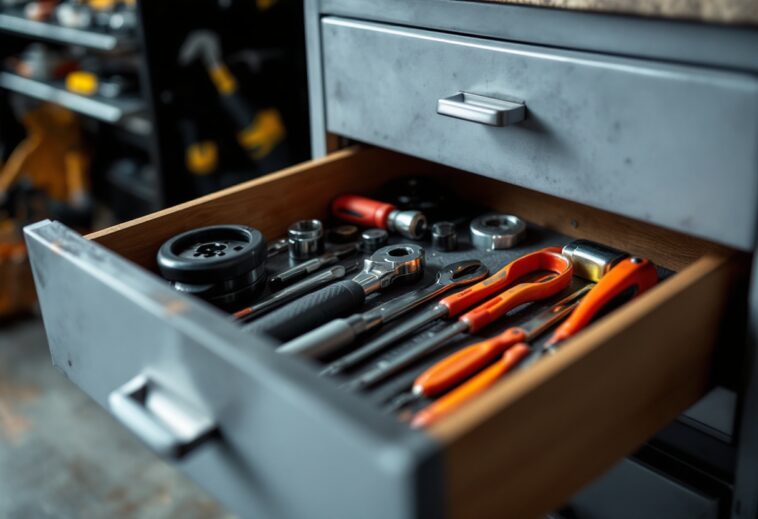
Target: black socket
x,y
344,234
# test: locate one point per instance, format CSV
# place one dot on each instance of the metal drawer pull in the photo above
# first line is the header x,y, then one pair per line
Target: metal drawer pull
x,y
481,109
166,424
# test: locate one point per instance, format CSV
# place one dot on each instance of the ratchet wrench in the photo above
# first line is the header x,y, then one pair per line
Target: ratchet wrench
x,y
388,265
341,332
484,314
450,306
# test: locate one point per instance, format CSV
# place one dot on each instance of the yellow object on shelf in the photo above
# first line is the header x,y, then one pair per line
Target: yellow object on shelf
x,y
81,82
202,157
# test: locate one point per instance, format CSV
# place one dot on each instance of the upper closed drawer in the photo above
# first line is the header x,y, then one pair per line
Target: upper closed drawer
x,y
669,144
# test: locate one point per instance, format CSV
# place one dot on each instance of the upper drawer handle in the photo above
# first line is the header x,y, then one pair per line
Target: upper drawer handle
x,y
165,423
481,109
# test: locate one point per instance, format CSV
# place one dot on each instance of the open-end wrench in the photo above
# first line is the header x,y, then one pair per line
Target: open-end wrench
x,y
340,332
404,262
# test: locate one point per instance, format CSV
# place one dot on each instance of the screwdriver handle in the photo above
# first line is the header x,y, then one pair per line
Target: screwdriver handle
x,y
628,279
463,363
362,211
460,301
471,388
522,293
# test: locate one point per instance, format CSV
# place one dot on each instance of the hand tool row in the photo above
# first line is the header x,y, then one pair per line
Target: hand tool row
x,y
335,297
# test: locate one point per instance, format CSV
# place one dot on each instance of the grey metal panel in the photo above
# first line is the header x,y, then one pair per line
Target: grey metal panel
x,y
315,78
669,40
292,445
647,140
631,490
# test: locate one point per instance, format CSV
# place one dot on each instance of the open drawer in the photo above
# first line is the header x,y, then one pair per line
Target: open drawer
x,y
278,441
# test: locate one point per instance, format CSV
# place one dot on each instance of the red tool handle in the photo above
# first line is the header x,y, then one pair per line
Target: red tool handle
x,y
463,363
521,293
362,211
507,275
627,280
471,388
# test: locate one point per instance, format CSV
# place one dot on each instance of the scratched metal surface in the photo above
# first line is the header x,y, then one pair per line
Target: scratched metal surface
x,y
63,456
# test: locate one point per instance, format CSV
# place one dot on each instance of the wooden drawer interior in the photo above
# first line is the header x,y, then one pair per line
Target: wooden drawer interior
x,y
531,441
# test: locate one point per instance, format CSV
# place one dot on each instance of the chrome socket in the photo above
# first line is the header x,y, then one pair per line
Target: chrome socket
x,y
305,239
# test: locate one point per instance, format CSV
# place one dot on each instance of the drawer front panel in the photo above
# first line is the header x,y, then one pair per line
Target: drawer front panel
x,y
623,135
289,446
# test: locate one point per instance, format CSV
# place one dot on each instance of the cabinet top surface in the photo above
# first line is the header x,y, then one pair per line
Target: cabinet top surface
x,y
737,12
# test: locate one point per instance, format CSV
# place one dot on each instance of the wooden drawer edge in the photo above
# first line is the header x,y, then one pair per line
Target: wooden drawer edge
x,y
617,383
291,194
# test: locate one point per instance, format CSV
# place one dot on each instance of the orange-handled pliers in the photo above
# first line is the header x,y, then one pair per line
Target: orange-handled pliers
x,y
552,261
625,281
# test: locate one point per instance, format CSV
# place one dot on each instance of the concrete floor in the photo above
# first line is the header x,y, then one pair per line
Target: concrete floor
x,y
63,456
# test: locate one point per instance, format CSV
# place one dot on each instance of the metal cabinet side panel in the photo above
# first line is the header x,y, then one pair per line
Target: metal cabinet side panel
x,y
609,132
631,490
291,447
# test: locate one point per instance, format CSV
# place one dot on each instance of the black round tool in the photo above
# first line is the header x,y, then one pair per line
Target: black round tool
x,y
344,234
373,239
223,264
444,237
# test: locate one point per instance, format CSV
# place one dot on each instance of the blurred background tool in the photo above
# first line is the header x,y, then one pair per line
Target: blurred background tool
x,y
260,131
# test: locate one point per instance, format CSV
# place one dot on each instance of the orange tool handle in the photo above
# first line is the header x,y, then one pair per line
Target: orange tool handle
x,y
630,277
521,293
543,259
362,211
463,363
473,387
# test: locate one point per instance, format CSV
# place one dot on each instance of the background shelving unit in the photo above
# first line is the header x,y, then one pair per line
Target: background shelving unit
x,y
150,122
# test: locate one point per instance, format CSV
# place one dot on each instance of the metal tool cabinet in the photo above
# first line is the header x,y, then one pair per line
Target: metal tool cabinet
x,y
640,134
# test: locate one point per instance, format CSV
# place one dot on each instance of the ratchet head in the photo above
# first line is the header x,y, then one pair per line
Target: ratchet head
x,y
461,273
404,262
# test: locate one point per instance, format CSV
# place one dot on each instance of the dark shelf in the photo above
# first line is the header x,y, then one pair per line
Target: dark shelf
x,y
126,112
17,24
